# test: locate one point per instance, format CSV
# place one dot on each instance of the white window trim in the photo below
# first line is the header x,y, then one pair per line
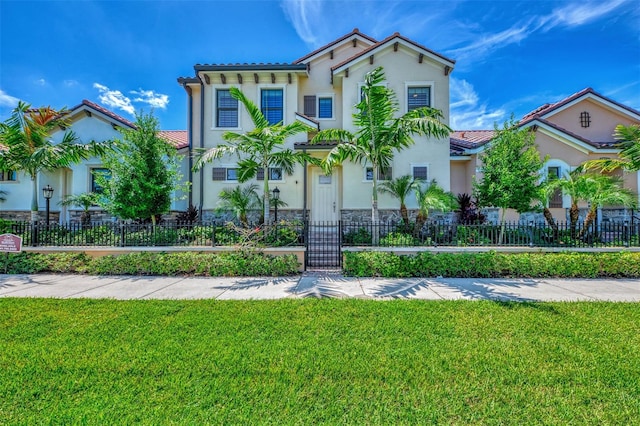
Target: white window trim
x,y
259,88
333,106
564,170
364,174
408,84
90,177
214,102
11,182
427,165
226,167
282,180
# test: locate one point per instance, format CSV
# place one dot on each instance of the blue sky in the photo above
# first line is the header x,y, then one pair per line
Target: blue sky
x,y
512,56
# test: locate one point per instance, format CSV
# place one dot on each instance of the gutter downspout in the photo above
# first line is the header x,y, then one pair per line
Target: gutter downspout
x,y
190,135
201,172
304,191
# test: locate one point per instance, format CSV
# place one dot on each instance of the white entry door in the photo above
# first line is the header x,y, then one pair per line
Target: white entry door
x,y
324,201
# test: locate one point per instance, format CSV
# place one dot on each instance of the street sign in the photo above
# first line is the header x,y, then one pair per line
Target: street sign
x,y
10,243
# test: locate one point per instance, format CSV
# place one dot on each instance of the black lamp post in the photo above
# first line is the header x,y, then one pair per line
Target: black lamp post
x,y
276,197
47,192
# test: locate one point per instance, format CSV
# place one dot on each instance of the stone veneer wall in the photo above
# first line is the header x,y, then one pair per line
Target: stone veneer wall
x,y
393,216
253,216
25,216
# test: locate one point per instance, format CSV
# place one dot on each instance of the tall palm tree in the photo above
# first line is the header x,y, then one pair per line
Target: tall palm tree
x,y
628,138
29,149
400,188
380,132
259,148
432,197
240,201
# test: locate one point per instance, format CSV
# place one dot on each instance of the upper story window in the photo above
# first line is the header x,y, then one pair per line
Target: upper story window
x,y
226,109
420,172
325,107
8,176
272,105
418,97
95,184
585,119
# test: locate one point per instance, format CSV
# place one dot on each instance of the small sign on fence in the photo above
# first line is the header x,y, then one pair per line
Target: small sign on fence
x,y
10,243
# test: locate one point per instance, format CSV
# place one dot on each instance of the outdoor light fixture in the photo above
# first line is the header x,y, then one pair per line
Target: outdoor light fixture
x,y
47,192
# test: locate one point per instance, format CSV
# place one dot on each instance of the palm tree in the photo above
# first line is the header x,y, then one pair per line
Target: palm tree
x,y
400,188
85,201
432,197
380,132
240,201
629,155
259,148
546,189
600,191
29,149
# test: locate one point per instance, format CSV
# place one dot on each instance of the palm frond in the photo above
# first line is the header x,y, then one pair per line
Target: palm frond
x,y
258,118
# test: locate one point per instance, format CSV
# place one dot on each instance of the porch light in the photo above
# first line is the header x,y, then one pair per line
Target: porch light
x,y
276,193
47,192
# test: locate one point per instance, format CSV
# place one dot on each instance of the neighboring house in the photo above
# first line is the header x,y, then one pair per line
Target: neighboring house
x,y
320,89
90,122
570,131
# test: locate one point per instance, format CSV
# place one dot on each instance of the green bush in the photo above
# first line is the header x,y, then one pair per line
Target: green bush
x,y
397,239
493,265
358,237
147,263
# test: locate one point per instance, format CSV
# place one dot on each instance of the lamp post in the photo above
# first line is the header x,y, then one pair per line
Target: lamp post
x,y
276,197
47,192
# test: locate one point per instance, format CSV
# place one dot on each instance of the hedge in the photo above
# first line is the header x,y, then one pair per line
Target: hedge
x,y
493,265
147,263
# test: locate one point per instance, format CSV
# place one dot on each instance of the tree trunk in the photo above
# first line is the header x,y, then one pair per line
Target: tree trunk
x,y
591,215
85,219
265,195
34,198
375,215
551,221
405,215
574,215
502,227
421,218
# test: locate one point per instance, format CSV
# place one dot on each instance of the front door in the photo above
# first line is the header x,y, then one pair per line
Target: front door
x,y
324,196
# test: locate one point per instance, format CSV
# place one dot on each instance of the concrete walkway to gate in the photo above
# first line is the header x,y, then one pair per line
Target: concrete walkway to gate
x,y
318,285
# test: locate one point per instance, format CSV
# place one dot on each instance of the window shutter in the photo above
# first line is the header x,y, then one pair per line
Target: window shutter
x,y
310,106
260,174
219,173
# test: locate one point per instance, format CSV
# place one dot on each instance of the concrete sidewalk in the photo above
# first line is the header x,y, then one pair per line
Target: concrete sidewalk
x,y
317,284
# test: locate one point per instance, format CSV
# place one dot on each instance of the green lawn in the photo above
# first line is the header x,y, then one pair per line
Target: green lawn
x,y
318,361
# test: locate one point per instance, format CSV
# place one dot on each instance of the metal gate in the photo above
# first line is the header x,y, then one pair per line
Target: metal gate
x,y
323,245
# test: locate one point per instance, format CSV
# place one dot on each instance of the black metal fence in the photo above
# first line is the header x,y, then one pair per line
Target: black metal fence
x,y
322,238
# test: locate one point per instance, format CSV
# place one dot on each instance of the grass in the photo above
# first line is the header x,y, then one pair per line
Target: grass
x,y
318,361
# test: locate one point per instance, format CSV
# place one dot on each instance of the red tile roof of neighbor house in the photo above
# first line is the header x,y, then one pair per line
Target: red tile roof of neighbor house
x,y
471,138
179,138
104,111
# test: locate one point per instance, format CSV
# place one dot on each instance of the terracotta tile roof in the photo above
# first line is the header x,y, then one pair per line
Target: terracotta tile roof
x,y
275,66
104,111
385,41
545,109
179,138
328,45
469,139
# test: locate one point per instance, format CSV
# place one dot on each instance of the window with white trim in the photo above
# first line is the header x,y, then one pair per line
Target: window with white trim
x,y
225,173
325,107
95,172
418,97
420,172
275,174
383,173
272,104
8,176
226,109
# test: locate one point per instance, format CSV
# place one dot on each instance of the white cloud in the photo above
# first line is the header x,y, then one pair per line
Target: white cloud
x,y
70,83
304,16
576,14
114,98
40,82
156,100
467,113
7,100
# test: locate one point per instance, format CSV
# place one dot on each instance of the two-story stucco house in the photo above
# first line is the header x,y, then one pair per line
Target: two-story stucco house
x,y
320,89
570,131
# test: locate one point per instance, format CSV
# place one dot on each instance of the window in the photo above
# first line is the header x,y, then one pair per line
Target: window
x,y
418,97
8,176
325,107
225,173
585,119
95,173
272,105
275,173
383,174
420,172
226,109
555,200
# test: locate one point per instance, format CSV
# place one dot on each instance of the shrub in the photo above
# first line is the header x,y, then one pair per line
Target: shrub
x,y
493,264
396,239
358,237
